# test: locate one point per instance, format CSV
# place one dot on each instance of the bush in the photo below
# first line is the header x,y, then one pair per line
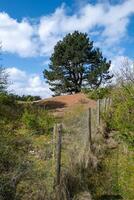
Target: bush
x,y
37,120
6,99
13,154
120,117
99,93
7,192
30,120
10,111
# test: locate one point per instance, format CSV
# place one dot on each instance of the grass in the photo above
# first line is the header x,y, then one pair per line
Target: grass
x,y
103,173
38,182
123,172
118,173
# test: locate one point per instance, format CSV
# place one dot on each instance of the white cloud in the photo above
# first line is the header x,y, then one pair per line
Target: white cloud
x,y
16,74
22,83
108,23
17,37
119,62
112,20
27,39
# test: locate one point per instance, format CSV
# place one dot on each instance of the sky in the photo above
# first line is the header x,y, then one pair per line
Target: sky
x,y
29,29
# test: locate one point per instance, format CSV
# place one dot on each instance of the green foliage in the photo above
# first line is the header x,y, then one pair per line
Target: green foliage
x,y
13,153
30,120
121,115
29,98
75,64
99,93
24,175
25,97
37,120
10,111
6,99
119,172
7,192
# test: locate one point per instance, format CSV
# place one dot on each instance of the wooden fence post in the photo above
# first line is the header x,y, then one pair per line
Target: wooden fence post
x,y
54,140
106,104
90,127
98,112
58,160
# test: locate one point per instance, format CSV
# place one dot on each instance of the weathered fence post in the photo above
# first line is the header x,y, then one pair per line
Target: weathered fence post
x,y
107,104
54,140
104,109
98,112
90,127
110,102
58,159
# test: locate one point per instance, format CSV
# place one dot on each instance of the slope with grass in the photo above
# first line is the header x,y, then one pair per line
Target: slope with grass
x,y
27,152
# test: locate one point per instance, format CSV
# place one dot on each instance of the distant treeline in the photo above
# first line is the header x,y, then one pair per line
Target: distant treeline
x,y
25,97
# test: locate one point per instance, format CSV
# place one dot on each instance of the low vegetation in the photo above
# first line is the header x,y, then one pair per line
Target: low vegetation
x,y
27,168
24,150
101,169
25,98
99,93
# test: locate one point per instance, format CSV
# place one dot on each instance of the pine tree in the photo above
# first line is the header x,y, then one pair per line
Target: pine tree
x,y
75,64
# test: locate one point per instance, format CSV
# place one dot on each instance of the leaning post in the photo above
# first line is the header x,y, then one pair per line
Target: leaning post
x,y
90,127
58,159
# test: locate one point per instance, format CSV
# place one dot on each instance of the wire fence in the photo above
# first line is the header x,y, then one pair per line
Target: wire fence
x,y
78,129
72,138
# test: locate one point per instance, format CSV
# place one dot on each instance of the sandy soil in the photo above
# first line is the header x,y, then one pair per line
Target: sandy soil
x,y
60,104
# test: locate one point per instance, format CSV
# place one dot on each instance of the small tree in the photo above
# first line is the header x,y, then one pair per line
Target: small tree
x,y
3,75
3,79
125,74
76,64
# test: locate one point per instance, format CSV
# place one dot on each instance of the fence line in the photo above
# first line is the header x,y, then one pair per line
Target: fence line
x,y
94,122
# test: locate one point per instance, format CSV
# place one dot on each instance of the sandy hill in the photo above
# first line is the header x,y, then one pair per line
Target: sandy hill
x,y
60,104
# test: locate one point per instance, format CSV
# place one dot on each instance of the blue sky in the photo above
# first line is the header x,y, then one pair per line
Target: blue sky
x,y
29,29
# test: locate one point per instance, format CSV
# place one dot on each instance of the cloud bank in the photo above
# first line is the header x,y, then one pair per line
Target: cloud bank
x,y
107,23
26,39
21,83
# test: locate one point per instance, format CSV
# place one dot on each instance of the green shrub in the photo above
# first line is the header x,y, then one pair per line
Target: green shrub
x,y
13,153
7,192
121,115
30,120
10,111
6,99
37,120
99,93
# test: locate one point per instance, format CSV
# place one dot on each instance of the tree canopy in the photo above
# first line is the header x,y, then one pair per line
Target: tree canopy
x,y
76,64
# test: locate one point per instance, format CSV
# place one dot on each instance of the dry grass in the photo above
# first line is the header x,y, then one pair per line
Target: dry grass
x,y
80,164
